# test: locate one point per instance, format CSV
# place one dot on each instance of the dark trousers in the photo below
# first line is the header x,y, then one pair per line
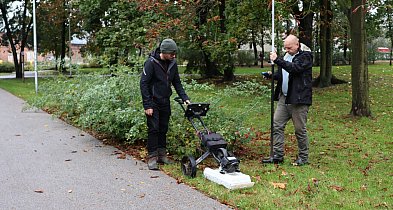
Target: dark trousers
x,y
157,125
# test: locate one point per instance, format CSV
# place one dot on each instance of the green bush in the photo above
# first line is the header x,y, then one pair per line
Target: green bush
x,y
113,106
245,58
7,67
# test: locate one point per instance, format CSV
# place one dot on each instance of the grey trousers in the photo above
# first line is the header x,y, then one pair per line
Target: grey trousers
x,y
298,114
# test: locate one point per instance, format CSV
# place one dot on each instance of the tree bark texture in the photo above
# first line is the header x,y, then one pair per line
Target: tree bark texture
x,y
360,83
4,12
305,19
326,44
211,67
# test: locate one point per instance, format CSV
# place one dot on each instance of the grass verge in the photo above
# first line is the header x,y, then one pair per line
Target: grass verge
x,y
24,89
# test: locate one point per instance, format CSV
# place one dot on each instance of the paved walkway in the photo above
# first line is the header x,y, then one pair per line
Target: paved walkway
x,y
48,164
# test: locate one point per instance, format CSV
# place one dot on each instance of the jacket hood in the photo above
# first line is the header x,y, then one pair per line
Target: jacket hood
x,y
156,54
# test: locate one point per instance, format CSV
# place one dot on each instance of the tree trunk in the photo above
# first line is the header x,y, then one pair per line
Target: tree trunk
x,y
345,48
389,20
326,44
305,19
360,83
263,49
228,71
63,46
254,46
63,38
211,67
4,13
391,51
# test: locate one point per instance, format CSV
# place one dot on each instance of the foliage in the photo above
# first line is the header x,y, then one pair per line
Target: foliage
x,y
52,16
109,105
7,67
244,58
16,28
112,105
116,29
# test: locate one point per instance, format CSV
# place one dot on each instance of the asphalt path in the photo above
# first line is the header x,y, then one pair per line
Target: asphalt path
x,y
48,164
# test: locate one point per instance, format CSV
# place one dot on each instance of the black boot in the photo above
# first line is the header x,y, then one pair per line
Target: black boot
x,y
162,157
152,161
275,159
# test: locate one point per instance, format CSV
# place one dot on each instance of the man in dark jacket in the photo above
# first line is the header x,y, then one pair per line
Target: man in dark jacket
x,y
294,96
160,72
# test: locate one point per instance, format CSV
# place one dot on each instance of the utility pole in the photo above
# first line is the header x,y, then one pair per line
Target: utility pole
x,y
69,35
35,49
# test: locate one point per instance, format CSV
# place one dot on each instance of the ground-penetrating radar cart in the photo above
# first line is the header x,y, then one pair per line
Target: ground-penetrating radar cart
x,y
212,143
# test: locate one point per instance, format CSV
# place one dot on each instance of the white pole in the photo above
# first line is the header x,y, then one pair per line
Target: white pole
x,y
272,91
273,27
35,49
69,37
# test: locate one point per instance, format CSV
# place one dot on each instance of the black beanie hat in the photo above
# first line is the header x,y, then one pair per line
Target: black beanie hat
x,y
168,46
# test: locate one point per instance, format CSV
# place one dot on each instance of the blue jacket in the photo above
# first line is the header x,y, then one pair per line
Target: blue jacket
x,y
300,78
156,80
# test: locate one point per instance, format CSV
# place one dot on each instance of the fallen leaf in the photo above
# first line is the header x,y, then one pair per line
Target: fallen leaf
x,y
337,188
384,204
142,196
279,185
68,160
18,135
154,177
315,181
258,178
39,191
284,173
69,191
74,151
121,156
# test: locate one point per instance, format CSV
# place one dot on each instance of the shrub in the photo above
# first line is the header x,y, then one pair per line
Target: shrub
x,y
245,58
113,106
7,67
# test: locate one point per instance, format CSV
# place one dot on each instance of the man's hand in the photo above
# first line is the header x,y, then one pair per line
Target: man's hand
x,y
267,75
273,56
149,112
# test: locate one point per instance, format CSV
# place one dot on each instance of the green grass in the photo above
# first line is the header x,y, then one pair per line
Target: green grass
x,y
23,89
351,164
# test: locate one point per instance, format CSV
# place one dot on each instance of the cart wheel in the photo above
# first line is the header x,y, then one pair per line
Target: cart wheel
x,y
188,166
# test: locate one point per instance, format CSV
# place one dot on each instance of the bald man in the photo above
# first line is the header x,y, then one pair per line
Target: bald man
x,y
294,96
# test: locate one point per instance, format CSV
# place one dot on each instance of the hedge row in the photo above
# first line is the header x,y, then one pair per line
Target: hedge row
x,y
112,105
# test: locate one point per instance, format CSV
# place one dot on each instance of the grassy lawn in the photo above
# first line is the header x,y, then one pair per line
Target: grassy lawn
x,y
351,164
351,158
23,89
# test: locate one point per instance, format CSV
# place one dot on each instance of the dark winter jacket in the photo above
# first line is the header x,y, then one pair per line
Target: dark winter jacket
x,y
300,78
156,80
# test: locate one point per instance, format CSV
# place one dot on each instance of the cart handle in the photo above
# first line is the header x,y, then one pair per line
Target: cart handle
x,y
178,100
